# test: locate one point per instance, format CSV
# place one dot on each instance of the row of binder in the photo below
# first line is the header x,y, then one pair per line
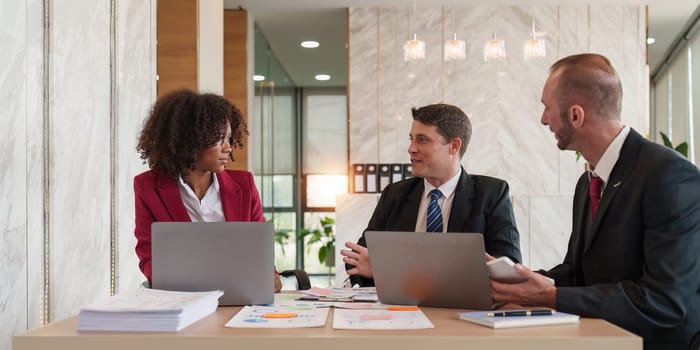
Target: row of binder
x,y
372,177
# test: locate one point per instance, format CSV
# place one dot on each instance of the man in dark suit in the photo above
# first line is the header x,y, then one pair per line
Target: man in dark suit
x,y
633,253
441,197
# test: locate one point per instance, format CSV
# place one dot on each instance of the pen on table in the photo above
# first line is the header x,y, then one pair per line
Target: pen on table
x,y
402,308
279,315
540,312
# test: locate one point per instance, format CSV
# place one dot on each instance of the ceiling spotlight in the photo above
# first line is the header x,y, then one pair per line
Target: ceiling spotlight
x,y
322,77
650,40
309,44
258,77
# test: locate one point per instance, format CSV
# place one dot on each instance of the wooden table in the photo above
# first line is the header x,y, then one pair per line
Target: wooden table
x,y
449,333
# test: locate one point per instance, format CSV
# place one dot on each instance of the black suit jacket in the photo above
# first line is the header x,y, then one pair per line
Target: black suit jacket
x,y
638,265
481,204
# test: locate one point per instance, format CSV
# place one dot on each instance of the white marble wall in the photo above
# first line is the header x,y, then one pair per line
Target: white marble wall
x,y
136,71
79,133
502,99
13,164
78,168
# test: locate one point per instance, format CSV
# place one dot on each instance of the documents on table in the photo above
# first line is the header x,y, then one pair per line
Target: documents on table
x,y
406,318
340,294
144,310
279,317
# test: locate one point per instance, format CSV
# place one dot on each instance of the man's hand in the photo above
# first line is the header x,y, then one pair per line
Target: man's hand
x,y
536,291
358,257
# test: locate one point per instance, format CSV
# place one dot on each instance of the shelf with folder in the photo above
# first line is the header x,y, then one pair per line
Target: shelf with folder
x,y
374,177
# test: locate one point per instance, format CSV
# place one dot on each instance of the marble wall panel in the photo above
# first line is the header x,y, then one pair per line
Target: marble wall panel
x,y
363,91
79,131
13,165
521,209
615,33
550,229
572,34
502,99
572,38
395,112
406,84
136,91
351,217
35,161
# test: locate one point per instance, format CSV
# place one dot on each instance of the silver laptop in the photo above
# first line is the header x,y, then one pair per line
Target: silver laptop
x,y
235,257
430,269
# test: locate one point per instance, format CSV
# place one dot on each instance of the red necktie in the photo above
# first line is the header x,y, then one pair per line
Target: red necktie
x,y
596,184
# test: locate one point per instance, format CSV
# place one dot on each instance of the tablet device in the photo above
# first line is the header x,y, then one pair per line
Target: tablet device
x,y
503,270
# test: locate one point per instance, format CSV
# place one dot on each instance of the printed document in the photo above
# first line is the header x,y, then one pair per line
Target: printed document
x,y
380,319
279,317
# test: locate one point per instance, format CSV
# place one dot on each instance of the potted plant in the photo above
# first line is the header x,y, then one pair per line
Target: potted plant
x,y
681,148
281,237
324,238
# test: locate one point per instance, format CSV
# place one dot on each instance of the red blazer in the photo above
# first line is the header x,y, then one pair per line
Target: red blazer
x,y
158,199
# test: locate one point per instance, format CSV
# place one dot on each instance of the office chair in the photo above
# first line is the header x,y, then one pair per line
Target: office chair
x,y
301,276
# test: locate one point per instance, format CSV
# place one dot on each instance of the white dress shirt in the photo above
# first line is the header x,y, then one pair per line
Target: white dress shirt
x,y
209,209
444,202
609,158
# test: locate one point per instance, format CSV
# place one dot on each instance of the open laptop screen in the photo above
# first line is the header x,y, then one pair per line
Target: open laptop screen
x,y
430,269
235,257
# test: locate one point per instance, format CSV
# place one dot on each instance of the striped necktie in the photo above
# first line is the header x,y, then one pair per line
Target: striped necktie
x,y
434,222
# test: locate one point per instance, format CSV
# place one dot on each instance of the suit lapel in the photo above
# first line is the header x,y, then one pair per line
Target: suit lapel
x,y
581,215
411,206
622,169
229,191
169,195
461,204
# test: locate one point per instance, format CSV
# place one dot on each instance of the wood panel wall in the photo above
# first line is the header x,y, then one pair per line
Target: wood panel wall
x,y
177,57
236,72
177,45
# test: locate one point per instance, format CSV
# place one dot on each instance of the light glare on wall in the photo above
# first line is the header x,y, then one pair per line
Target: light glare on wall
x,y
310,44
322,189
258,77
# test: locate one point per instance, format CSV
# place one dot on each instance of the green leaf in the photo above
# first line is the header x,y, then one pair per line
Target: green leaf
x,y
322,252
667,141
683,149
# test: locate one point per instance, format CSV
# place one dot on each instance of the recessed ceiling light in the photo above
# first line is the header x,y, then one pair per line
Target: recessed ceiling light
x,y
258,77
323,77
650,40
309,44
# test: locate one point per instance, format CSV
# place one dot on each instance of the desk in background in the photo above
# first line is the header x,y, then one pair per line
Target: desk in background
x,y
449,333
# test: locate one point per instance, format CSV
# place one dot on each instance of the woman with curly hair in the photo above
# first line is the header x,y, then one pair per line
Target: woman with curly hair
x,y
187,141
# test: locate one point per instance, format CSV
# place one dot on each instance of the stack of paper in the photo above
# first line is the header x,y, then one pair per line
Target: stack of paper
x,y
148,310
